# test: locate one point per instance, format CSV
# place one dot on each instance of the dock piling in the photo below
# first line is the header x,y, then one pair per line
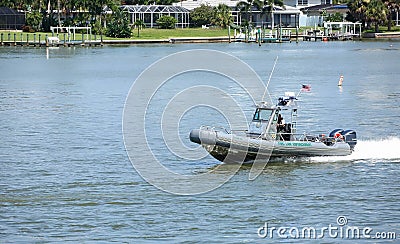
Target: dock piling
x,y
229,33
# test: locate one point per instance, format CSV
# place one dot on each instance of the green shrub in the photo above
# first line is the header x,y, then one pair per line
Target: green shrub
x,y
98,28
202,15
119,25
48,20
336,17
33,21
166,22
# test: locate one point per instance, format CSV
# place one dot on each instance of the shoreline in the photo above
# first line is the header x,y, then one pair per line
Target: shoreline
x,y
384,35
222,39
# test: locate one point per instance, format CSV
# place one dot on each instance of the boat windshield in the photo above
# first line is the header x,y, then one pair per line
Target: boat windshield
x,y
262,114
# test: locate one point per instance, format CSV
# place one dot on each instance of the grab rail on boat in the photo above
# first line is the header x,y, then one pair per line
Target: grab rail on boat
x,y
220,128
298,137
308,138
214,128
279,136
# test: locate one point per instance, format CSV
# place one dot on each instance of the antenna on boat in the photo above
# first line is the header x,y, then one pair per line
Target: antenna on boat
x,y
270,76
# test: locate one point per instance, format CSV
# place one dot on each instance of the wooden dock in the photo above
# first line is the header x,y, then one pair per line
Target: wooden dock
x,y
342,37
46,44
55,41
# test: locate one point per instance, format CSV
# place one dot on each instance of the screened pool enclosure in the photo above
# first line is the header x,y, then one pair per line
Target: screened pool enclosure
x,y
11,19
150,13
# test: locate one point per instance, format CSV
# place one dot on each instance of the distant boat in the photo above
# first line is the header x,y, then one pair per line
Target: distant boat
x,y
340,83
268,137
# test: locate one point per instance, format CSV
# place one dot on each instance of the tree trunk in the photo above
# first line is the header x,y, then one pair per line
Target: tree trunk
x,y
58,13
362,21
101,30
390,21
272,20
376,27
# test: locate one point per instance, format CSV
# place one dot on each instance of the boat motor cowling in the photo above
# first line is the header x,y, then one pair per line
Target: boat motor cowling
x,y
350,136
332,134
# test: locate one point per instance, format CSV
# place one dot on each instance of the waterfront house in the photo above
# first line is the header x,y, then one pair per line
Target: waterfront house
x,y
291,15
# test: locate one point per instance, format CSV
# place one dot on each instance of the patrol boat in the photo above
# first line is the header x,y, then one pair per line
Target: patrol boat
x,y
267,137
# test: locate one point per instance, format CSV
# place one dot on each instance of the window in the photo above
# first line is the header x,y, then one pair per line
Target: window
x,y
262,114
302,2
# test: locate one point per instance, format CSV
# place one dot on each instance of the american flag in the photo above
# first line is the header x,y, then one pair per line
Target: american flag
x,y
305,88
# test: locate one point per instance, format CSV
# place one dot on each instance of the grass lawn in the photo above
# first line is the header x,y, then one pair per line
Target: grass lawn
x,y
146,33
149,33
383,29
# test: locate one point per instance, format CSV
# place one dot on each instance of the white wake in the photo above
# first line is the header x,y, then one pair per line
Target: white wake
x,y
383,149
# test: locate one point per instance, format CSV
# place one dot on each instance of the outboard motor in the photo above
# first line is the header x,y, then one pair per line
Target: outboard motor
x,y
332,134
350,136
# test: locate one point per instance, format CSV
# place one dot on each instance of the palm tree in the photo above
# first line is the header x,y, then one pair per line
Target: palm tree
x,y
269,8
393,6
376,13
223,16
139,24
245,7
357,9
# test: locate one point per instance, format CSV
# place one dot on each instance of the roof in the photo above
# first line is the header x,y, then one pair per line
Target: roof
x,y
192,4
154,9
325,7
9,11
286,10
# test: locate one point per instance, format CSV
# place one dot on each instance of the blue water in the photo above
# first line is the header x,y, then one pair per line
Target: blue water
x,y
65,175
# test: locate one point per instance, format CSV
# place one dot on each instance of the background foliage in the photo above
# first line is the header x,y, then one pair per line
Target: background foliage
x,y
118,26
166,22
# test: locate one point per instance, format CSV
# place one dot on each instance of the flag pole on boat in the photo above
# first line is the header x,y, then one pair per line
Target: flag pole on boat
x,y
270,76
304,88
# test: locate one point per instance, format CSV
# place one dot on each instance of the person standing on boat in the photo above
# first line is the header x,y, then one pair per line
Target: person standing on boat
x,y
281,123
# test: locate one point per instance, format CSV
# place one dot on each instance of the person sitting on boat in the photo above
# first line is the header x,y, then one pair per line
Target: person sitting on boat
x,y
281,124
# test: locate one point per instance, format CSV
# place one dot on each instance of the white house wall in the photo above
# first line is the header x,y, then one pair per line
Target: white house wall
x,y
292,3
192,4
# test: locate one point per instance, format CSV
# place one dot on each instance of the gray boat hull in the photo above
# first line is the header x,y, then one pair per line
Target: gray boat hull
x,y
227,147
